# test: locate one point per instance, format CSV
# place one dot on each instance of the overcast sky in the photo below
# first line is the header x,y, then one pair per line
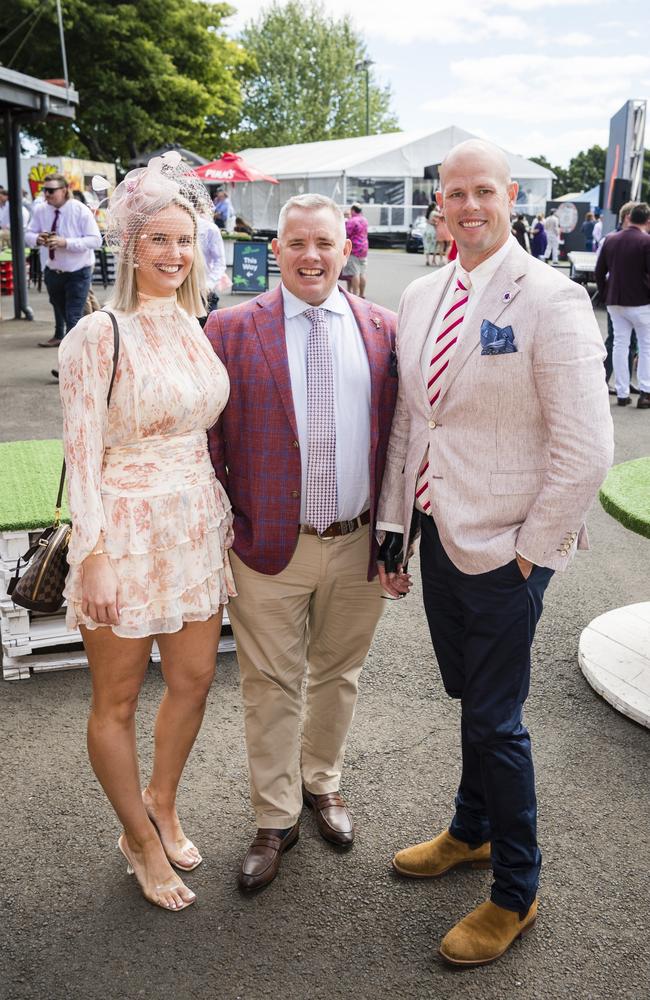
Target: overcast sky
x,y
536,76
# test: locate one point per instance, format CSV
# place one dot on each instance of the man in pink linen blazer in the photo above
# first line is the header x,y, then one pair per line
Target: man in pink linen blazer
x,y
501,437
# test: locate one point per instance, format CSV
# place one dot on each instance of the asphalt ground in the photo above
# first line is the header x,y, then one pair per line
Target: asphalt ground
x,y
332,925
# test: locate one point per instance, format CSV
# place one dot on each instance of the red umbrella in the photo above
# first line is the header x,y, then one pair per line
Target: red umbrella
x,y
229,169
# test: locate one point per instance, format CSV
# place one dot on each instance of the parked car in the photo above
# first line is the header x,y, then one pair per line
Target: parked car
x,y
415,237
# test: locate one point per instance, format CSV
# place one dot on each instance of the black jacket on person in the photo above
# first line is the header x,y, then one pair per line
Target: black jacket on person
x,y
623,268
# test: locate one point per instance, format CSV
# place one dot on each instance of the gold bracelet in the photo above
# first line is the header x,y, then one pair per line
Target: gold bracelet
x,y
98,552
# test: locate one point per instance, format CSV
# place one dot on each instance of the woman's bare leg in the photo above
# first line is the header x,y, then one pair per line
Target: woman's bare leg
x,y
117,669
188,665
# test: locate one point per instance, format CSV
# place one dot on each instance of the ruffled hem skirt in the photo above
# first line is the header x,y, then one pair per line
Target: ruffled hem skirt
x,y
170,554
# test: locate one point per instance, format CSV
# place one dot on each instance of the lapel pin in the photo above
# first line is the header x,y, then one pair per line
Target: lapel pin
x,y
376,321
507,296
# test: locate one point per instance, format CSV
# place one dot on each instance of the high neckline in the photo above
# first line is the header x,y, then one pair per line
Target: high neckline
x,y
158,304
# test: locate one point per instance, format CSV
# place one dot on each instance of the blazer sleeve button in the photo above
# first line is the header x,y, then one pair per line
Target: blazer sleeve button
x,y
296,444
295,493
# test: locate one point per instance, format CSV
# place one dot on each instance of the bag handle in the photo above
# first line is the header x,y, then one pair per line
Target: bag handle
x,y
116,354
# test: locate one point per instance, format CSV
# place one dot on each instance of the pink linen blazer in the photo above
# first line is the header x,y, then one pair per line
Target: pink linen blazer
x,y
518,443
254,446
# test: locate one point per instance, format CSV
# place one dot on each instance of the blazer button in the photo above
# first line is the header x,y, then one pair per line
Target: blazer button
x,y
296,444
295,493
432,424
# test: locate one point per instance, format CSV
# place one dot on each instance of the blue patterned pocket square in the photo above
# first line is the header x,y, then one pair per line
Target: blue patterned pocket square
x,y
496,339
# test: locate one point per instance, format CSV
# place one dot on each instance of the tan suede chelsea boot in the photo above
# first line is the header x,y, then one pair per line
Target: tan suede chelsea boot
x,y
437,856
485,934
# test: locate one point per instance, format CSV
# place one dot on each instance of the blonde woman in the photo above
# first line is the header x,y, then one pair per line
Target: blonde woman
x,y
151,523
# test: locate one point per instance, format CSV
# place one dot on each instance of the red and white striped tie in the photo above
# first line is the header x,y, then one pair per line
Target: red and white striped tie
x,y
444,347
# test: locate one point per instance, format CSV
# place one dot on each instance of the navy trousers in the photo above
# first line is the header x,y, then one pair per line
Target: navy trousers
x,y
482,627
67,291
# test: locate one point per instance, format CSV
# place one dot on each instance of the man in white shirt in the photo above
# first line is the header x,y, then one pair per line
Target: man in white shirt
x,y
5,221
300,448
67,234
552,228
597,235
223,211
214,258
502,436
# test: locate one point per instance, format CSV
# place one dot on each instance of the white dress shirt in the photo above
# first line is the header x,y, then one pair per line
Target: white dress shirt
x,y
351,397
4,216
214,256
76,223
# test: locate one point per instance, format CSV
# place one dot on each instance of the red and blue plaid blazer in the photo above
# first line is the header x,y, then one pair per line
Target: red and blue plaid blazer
x,y
254,445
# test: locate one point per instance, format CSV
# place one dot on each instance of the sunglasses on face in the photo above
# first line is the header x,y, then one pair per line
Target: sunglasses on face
x,y
51,190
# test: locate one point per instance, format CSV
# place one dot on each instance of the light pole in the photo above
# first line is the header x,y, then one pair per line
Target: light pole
x,y
365,65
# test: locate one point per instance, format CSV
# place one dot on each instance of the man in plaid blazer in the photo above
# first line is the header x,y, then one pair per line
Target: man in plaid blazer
x,y
300,449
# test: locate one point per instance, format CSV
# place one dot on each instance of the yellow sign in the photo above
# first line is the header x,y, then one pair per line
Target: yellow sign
x,y
37,175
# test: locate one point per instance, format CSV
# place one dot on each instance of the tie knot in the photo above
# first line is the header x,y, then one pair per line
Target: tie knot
x,y
315,315
463,281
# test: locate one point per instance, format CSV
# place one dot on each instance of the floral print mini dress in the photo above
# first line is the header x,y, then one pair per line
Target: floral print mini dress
x,y
138,471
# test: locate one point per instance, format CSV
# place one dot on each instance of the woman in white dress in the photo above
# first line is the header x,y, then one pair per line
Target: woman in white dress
x,y
151,523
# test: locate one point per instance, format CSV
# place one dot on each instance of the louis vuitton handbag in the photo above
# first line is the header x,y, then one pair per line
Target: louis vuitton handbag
x,y
40,588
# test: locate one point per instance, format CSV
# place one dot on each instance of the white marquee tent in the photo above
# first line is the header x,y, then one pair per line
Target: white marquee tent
x,y
384,172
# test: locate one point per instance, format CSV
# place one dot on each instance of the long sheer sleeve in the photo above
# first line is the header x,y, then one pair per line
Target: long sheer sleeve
x,y
85,368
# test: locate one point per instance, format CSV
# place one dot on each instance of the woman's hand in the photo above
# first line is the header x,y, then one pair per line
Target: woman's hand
x,y
99,590
397,584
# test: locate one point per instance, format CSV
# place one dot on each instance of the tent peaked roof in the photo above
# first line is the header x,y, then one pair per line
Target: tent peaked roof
x,y
391,154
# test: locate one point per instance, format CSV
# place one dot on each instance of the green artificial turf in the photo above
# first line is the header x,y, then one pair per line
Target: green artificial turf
x,y
625,495
29,480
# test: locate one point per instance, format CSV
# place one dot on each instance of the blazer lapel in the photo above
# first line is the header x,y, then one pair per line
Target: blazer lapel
x,y
496,298
269,323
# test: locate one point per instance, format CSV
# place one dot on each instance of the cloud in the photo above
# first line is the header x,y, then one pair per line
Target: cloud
x,y
561,145
534,75
540,88
464,21
576,39
550,104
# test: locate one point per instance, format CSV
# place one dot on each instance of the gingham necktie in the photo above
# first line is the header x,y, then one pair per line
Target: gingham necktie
x,y
57,212
444,347
321,502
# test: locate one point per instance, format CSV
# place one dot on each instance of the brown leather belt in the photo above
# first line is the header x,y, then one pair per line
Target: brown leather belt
x,y
339,527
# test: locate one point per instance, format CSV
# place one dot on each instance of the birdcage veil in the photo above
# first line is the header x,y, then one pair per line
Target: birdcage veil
x,y
135,202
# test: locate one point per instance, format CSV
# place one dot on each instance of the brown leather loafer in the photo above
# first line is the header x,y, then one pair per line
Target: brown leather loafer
x,y
333,818
262,861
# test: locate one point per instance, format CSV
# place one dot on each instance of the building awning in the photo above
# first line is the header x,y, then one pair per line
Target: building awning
x,y
19,93
391,154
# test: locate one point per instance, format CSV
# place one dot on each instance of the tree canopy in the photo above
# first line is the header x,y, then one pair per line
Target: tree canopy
x,y
645,184
307,86
147,71
585,170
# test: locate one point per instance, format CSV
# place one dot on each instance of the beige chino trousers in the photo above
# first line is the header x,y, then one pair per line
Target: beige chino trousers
x,y
310,625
